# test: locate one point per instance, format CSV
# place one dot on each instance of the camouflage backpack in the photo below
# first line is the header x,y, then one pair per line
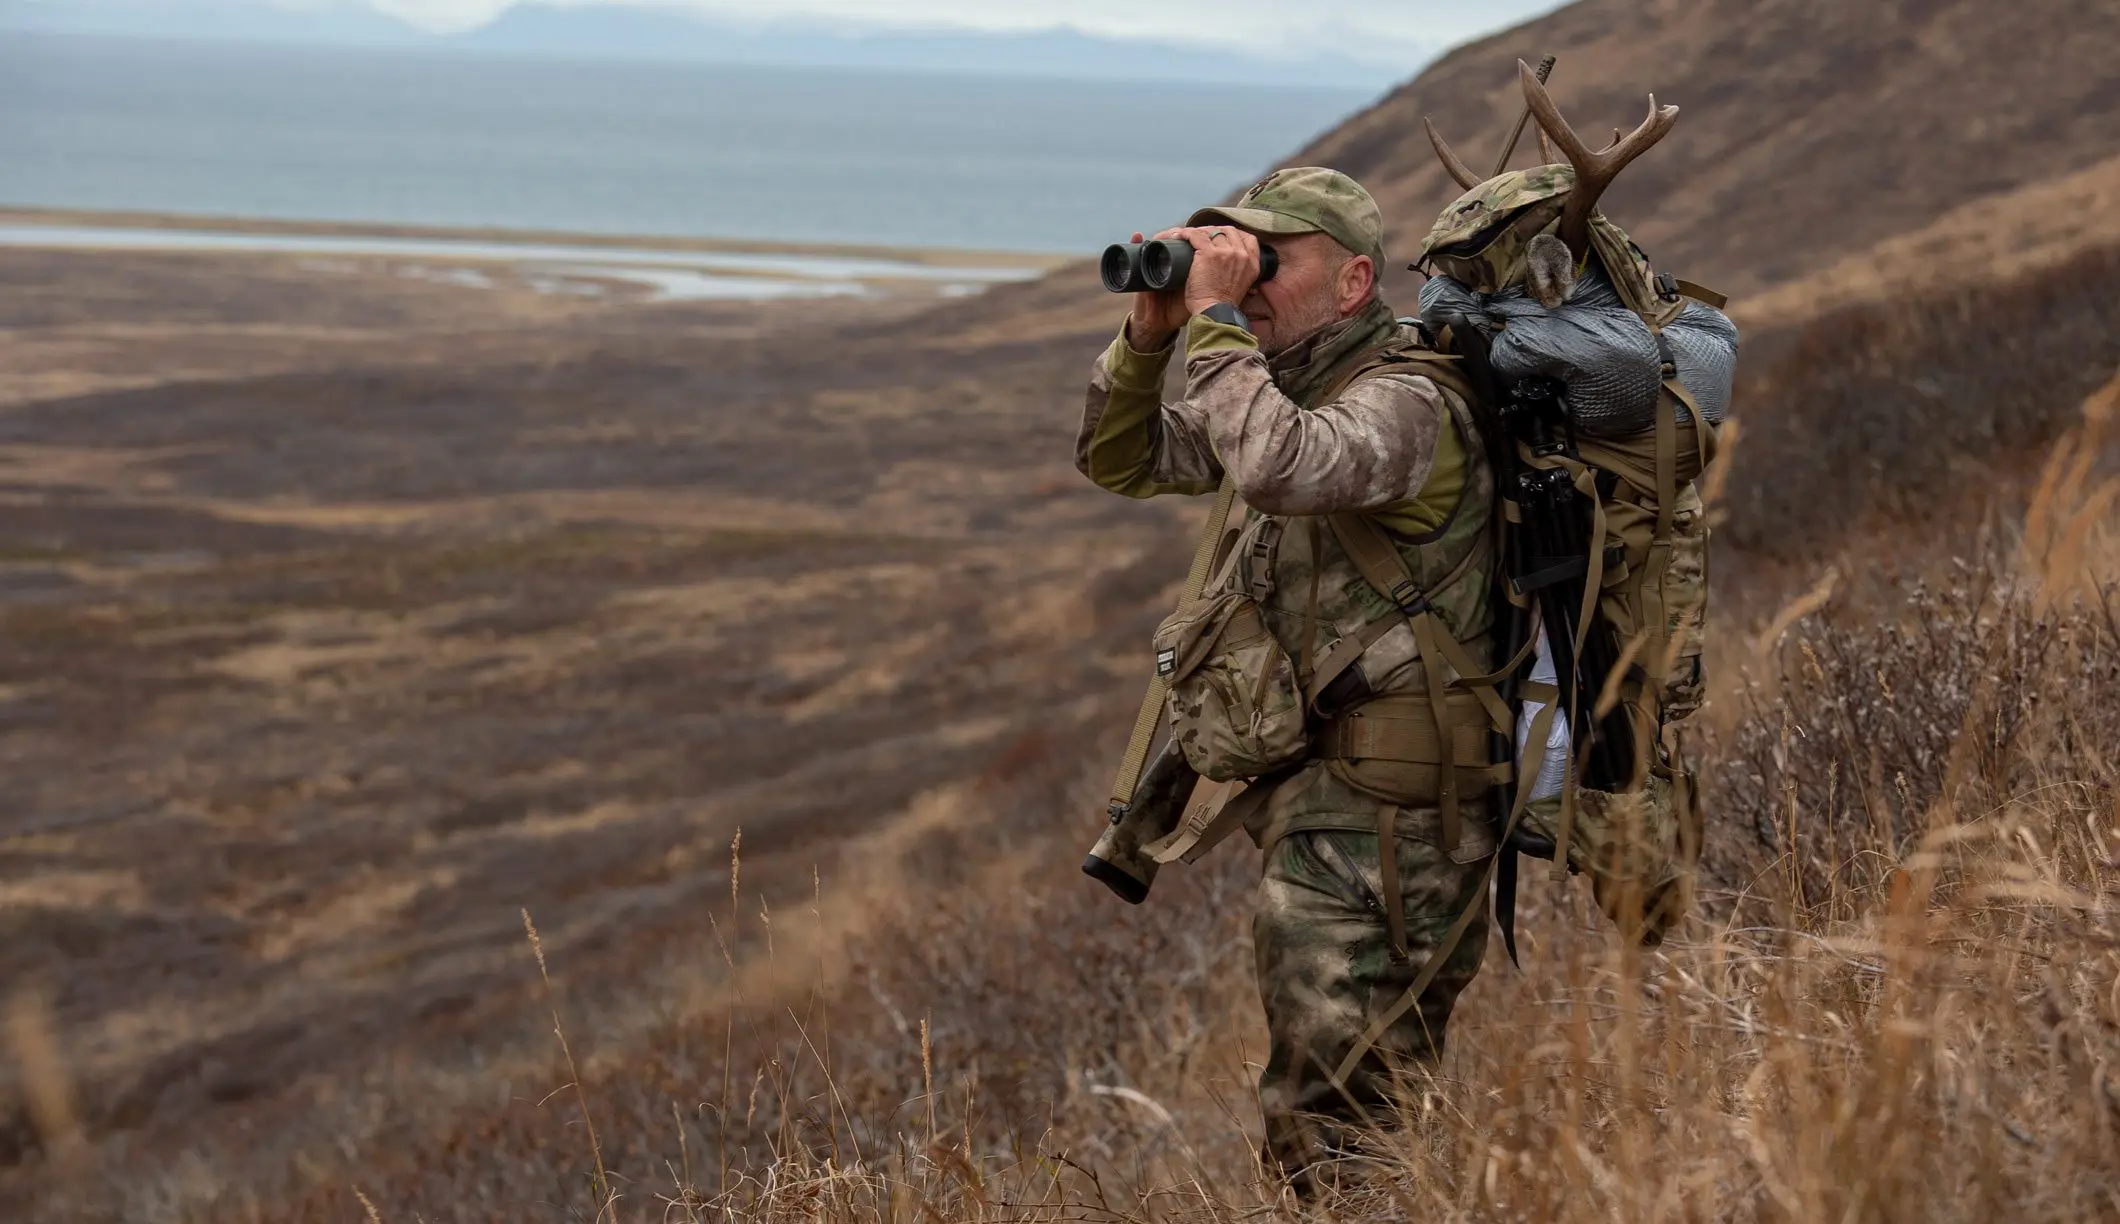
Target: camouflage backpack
x,y
1604,534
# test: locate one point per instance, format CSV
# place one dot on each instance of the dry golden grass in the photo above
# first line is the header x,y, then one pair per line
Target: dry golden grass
x,y
1899,998
1897,1001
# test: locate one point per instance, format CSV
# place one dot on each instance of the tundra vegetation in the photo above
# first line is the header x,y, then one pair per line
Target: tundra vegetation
x,y
1897,1000
468,754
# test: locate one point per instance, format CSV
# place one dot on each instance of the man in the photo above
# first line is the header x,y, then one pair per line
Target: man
x,y
1308,395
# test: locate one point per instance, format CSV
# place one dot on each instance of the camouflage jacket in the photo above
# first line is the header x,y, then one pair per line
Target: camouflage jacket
x,y
1391,445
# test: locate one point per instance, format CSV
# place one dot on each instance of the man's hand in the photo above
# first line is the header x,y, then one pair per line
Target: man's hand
x,y
1157,316
1224,268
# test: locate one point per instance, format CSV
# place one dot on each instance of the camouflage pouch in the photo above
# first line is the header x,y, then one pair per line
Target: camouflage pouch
x,y
1639,849
1235,707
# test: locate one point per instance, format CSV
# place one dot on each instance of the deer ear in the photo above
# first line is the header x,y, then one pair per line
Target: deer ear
x,y
1549,271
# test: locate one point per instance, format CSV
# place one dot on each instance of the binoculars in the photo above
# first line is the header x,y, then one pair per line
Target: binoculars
x,y
1138,267
1120,860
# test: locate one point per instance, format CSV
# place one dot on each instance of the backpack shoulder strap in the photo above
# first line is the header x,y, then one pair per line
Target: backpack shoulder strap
x,y
1410,356
1382,567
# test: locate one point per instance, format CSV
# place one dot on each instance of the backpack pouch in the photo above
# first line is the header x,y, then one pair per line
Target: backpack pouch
x,y
1235,707
1638,849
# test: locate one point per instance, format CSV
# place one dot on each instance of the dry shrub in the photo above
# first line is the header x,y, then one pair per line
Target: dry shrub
x,y
1900,1001
1904,413
1964,701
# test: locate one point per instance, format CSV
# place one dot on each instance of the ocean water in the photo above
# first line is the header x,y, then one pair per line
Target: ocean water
x,y
785,154
553,267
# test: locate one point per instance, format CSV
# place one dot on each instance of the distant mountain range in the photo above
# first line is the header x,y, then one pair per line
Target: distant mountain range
x,y
241,20
647,32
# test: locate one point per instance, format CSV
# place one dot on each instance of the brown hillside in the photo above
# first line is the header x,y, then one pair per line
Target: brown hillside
x,y
1972,138
2039,229
344,620
1811,128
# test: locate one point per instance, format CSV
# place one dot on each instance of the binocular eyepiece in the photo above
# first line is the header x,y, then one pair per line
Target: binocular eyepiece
x,y
1138,267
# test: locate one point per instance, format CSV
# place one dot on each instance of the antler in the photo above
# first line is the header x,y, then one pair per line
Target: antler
x,y
1593,171
1458,170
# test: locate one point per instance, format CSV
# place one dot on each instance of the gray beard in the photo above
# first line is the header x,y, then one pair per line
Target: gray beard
x,y
1304,331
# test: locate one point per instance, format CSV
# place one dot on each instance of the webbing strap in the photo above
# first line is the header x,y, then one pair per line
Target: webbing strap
x,y
1224,808
1341,655
1439,701
1151,713
1541,726
1379,562
1701,293
1594,578
1593,586
1310,606
1705,436
1667,466
1383,568
1468,675
1564,829
1498,675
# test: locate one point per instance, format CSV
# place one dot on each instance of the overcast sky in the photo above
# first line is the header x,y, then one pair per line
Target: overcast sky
x,y
1361,29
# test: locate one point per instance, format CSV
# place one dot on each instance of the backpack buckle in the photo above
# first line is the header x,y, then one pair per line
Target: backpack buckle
x,y
1667,287
1409,598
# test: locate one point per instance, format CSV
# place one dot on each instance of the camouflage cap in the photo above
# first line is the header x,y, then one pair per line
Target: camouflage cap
x,y
1307,200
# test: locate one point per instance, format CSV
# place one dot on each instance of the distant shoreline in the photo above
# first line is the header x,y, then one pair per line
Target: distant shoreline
x,y
1149,64
936,257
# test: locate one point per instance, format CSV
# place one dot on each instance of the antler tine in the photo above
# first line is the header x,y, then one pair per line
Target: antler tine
x,y
1593,171
1458,170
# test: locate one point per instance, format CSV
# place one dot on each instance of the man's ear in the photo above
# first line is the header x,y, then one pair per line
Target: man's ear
x,y
1358,283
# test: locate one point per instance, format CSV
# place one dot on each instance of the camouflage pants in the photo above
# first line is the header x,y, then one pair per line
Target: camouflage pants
x,y
1326,973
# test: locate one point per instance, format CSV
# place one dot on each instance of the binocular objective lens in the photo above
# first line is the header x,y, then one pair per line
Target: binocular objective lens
x,y
1117,268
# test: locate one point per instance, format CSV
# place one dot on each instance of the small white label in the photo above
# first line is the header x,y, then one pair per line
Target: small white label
x,y
1166,662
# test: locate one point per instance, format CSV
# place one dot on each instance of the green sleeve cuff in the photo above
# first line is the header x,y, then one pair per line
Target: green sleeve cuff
x,y
1133,370
1203,336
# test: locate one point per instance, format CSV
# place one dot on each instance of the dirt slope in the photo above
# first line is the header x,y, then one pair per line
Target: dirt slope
x,y
320,656
2039,229
1811,131
1811,128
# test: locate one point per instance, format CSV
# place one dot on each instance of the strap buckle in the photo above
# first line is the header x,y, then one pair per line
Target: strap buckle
x,y
1409,598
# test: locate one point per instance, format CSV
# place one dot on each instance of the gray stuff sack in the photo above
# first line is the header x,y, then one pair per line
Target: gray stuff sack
x,y
1597,348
